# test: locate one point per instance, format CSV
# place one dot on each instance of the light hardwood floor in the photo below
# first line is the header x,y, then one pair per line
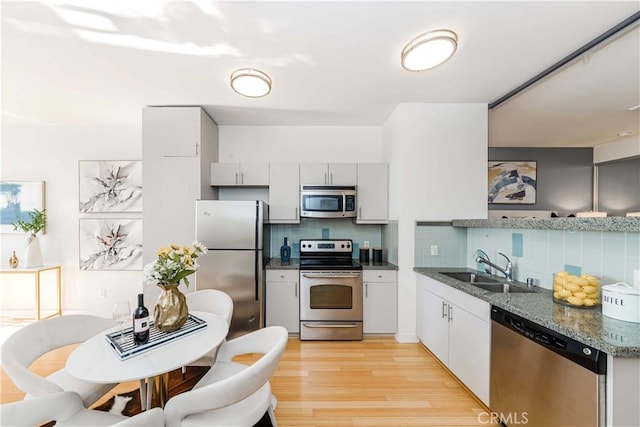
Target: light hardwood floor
x,y
375,382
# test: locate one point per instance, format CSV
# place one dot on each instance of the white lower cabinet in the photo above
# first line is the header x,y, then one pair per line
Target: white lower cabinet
x,y
282,302
380,305
456,328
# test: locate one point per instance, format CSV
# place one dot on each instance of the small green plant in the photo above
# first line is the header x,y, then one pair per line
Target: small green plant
x,y
37,223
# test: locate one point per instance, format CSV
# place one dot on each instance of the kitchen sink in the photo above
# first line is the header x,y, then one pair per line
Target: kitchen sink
x,y
502,288
470,277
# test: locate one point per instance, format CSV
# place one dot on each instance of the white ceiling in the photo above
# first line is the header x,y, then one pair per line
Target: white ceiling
x,y
85,63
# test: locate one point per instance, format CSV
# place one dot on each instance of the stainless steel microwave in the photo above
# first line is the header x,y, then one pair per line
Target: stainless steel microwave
x,y
327,201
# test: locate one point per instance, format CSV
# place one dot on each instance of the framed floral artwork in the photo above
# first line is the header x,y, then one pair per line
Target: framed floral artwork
x,y
512,182
18,200
110,185
110,244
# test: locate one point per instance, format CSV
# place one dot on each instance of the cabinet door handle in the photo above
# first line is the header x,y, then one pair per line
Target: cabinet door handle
x,y
197,149
444,312
296,212
366,290
325,178
331,178
295,289
450,313
236,178
242,178
282,276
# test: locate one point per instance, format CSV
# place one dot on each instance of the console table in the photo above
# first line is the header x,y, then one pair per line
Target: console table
x,y
46,286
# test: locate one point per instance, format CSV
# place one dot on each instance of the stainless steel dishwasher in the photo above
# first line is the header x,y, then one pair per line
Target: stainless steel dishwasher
x,y
542,378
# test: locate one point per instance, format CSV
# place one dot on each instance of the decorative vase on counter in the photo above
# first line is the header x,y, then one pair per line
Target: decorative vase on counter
x,y
13,261
285,252
170,311
33,253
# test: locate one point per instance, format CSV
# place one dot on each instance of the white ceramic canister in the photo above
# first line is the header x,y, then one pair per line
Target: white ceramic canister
x,y
621,302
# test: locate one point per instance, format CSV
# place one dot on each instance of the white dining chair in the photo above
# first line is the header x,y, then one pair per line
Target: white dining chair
x,y
233,394
67,409
212,301
30,342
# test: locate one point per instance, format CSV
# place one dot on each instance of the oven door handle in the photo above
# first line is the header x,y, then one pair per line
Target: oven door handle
x,y
331,276
331,325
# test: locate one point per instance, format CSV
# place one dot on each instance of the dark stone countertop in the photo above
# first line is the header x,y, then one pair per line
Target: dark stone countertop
x,y
589,326
294,264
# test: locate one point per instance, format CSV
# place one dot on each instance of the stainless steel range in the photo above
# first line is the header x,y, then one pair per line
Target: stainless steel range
x,y
330,291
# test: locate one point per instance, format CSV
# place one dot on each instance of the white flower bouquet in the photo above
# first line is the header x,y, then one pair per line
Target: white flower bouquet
x,y
174,264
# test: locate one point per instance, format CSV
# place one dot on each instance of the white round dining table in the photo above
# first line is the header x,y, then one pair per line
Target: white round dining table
x,y
96,361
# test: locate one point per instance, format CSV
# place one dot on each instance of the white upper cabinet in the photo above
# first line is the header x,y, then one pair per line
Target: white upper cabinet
x,y
176,131
373,193
239,174
327,174
284,193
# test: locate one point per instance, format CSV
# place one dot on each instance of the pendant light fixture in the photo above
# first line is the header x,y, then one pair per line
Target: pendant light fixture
x,y
250,82
429,50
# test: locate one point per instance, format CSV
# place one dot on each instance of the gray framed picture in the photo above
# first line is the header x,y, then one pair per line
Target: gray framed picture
x,y
110,185
512,182
110,244
18,199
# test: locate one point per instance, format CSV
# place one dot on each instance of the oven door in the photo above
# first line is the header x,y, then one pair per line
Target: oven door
x,y
330,305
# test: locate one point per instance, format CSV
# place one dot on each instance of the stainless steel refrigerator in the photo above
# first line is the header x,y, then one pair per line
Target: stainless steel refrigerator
x,y
236,235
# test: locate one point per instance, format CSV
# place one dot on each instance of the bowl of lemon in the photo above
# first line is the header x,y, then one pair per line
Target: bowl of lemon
x,y
576,291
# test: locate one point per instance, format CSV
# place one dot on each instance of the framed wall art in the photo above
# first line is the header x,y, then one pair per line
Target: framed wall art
x,y
18,199
110,244
512,182
110,186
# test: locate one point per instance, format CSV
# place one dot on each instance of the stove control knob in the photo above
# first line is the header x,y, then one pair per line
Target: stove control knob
x,y
348,245
342,245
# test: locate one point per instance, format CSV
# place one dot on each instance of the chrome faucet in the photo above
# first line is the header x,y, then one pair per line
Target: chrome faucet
x,y
480,254
507,270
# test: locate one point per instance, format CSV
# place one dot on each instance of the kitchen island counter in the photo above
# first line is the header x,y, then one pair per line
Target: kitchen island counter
x,y
614,337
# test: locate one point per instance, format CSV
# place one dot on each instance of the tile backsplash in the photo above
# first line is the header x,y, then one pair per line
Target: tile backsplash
x,y
440,246
611,256
324,229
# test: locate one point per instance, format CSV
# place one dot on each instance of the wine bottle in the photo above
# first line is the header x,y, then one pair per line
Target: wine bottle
x,y
140,322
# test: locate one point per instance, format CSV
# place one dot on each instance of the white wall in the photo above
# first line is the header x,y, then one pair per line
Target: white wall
x,y
51,154
615,150
437,156
300,143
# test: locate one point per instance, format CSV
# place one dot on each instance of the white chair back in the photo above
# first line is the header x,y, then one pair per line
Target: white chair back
x,y
66,409
270,341
212,301
30,342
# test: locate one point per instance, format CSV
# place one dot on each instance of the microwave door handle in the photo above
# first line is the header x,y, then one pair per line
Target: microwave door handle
x,y
344,204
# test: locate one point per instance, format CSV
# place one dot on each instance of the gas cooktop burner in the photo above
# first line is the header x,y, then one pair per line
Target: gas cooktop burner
x,y
328,254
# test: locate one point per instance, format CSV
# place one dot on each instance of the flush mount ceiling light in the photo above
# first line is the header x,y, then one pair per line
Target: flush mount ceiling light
x,y
429,50
250,82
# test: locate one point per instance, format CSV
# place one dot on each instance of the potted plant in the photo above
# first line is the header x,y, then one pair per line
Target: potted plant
x,y
38,221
